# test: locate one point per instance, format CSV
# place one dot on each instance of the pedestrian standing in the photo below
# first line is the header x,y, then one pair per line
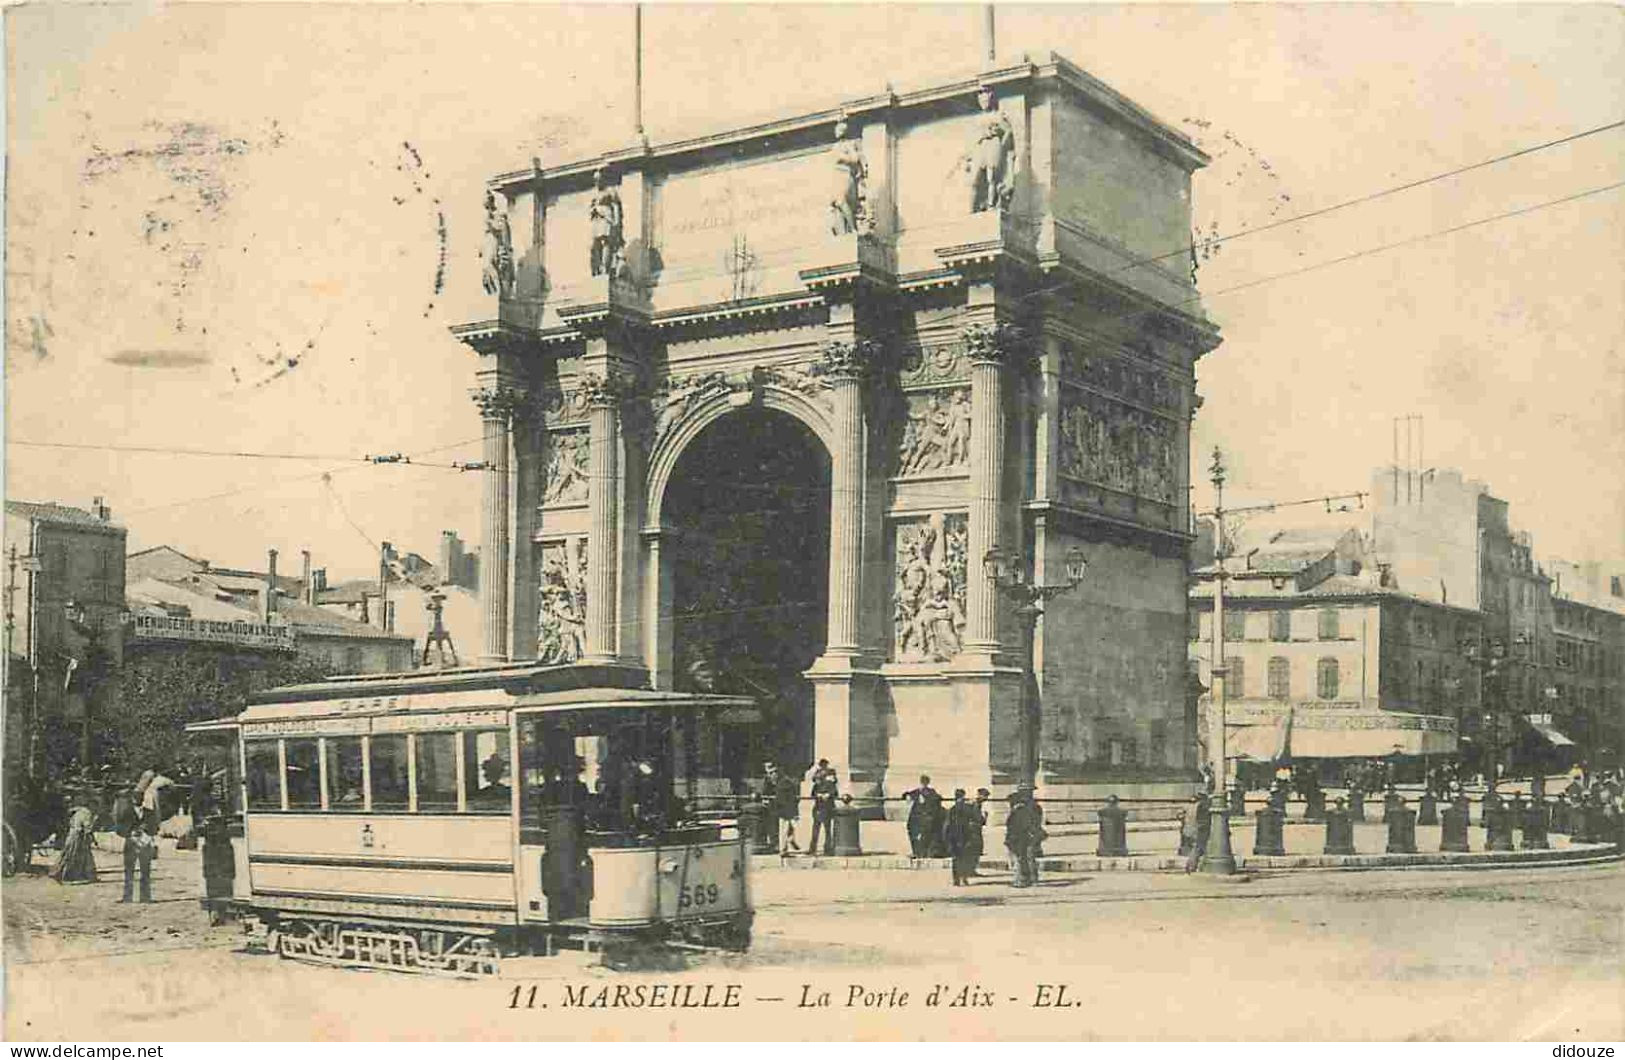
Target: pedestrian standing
x,y
956,833
924,819
825,790
1022,836
77,863
973,842
139,829
783,795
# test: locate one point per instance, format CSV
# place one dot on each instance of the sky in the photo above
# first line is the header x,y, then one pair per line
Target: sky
x,y
224,232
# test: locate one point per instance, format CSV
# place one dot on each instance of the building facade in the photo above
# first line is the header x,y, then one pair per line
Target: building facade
x,y
276,601
760,402
65,646
1325,659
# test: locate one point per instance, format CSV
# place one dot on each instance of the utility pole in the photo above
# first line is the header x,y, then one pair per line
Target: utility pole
x,y
1218,858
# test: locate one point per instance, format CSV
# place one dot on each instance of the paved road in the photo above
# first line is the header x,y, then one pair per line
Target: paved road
x,y
1500,954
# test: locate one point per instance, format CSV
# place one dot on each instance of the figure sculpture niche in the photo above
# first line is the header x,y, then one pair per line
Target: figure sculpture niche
x,y
497,251
608,239
989,162
848,201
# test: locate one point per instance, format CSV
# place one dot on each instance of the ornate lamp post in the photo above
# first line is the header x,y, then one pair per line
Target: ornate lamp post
x,y
1488,653
1006,570
1218,858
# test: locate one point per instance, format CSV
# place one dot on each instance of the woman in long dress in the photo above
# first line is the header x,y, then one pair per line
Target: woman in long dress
x,y
77,862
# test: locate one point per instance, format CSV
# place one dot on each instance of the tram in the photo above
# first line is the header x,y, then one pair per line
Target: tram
x,y
439,822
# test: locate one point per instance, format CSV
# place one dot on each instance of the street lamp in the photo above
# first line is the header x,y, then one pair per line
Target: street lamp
x,y
1488,653
1007,571
1218,857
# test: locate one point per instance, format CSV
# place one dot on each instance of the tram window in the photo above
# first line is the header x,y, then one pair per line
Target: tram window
x,y
486,771
304,775
437,772
264,775
344,780
389,773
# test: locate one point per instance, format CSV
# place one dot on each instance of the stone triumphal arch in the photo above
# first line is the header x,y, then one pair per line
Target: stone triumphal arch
x,y
897,333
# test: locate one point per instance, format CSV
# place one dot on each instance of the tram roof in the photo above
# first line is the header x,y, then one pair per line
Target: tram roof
x,y
524,688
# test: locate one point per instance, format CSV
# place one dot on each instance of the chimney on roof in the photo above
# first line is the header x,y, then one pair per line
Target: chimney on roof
x,y
100,510
318,581
304,580
270,587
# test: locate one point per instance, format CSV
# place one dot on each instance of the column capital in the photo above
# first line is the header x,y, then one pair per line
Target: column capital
x,y
999,343
605,388
499,400
840,360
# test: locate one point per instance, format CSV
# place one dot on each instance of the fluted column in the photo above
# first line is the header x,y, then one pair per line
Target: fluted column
x,y
603,395
497,402
988,349
845,366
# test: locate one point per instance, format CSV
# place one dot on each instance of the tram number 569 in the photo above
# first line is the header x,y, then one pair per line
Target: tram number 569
x,y
700,894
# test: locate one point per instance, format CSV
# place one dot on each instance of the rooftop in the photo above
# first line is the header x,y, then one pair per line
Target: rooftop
x,y
61,514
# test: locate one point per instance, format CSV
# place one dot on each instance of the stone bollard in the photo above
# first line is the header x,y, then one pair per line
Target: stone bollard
x,y
1278,800
1268,839
1534,828
1113,831
1314,805
1356,804
1498,829
1392,801
1339,830
1453,839
1429,812
1401,829
1492,802
846,829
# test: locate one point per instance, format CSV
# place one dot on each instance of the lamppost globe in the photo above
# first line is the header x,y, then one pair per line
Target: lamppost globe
x,y
1076,564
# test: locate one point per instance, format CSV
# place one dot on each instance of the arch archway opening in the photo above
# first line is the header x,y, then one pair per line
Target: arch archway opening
x,y
747,508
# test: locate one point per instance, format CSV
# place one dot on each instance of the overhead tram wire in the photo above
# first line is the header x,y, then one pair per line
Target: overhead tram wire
x,y
291,480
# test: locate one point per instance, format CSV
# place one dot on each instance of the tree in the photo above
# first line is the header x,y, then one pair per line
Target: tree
x,y
164,691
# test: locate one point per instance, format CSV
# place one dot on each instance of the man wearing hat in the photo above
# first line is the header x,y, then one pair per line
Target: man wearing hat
x,y
1022,835
825,788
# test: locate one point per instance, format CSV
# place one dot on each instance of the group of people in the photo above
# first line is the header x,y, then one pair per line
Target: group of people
x,y
956,833
936,827
136,814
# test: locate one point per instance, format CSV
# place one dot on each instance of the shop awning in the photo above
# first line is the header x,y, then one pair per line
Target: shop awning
x,y
1268,733
1551,735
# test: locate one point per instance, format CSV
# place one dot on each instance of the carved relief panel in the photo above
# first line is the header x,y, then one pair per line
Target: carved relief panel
x,y
562,600
936,433
929,591
1119,447
564,474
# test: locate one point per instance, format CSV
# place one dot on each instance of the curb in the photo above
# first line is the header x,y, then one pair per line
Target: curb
x,y
1171,863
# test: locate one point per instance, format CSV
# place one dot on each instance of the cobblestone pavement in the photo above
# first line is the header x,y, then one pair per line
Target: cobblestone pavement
x,y
1488,954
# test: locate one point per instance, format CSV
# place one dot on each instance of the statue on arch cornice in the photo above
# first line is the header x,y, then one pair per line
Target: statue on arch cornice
x,y
608,227
849,210
990,162
496,253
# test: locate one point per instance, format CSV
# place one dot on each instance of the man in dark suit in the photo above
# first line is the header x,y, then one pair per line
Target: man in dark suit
x,y
825,790
924,819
